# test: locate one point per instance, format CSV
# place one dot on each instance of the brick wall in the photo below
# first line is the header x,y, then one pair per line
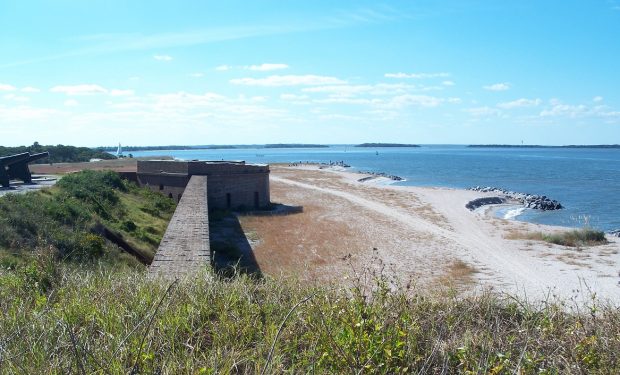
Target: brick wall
x,y
232,185
185,247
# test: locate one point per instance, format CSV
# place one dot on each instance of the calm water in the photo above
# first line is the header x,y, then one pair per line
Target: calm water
x,y
585,181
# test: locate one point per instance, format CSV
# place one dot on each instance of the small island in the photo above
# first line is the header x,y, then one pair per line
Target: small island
x,y
386,145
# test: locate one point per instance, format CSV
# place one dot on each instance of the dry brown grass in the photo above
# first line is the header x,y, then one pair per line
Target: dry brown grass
x,y
458,274
306,242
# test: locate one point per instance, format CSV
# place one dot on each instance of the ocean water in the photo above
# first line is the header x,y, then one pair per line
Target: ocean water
x,y
586,181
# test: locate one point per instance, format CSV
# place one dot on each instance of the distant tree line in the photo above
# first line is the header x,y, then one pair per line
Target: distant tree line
x,y
386,145
58,153
210,147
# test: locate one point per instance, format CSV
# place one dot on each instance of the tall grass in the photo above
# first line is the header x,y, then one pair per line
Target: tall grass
x,y
572,238
101,321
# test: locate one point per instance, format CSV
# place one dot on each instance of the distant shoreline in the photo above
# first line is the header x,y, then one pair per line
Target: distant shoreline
x,y
212,147
541,146
386,145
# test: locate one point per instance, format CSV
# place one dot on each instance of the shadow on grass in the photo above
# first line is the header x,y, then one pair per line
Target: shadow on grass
x,y
230,248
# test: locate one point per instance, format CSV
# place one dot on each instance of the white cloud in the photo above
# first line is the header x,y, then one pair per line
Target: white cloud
x,y
448,83
483,111
71,103
574,111
30,89
197,75
498,87
340,117
350,90
26,113
116,92
288,80
348,100
597,99
222,68
519,103
414,101
416,75
267,67
293,97
162,58
6,87
565,110
16,98
87,89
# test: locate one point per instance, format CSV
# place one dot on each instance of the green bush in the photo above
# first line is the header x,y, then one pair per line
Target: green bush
x,y
577,238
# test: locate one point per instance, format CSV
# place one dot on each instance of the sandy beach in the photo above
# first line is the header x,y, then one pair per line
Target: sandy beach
x,y
422,237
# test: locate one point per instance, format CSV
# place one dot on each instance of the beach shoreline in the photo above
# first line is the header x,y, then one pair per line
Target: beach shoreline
x,y
422,233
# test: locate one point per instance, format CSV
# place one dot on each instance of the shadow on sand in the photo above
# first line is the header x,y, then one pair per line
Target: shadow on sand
x,y
231,248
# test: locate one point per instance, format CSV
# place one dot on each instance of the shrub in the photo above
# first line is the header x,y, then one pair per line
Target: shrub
x,y
577,238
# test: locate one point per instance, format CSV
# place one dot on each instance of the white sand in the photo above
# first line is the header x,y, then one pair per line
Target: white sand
x,y
531,269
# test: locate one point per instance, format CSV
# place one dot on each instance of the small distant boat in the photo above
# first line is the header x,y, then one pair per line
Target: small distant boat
x,y
377,153
119,150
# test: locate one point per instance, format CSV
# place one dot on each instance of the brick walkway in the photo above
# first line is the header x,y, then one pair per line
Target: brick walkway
x,y
185,249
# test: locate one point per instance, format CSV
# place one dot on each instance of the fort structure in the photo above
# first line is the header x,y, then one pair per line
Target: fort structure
x,y
230,184
199,187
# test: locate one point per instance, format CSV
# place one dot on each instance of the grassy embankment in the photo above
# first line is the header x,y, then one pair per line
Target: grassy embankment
x,y
87,314
70,220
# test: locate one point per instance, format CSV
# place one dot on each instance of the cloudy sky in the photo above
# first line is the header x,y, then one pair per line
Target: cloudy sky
x,y
100,72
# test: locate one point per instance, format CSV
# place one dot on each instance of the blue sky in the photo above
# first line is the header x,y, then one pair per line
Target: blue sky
x,y
202,72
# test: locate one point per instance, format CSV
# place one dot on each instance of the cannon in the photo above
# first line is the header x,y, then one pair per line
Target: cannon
x,y
16,167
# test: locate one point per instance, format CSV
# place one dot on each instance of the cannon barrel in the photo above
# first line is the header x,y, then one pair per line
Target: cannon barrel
x,y
35,157
12,159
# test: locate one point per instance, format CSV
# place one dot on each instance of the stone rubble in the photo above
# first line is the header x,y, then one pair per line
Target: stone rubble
x,y
533,201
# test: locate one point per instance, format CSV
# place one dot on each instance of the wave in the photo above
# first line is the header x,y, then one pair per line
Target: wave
x,y
513,212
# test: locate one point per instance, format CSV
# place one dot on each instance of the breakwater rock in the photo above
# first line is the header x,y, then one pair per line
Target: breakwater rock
x,y
380,174
615,233
536,202
472,205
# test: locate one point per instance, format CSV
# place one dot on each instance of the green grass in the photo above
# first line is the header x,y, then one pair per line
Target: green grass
x,y
64,218
577,238
58,318
573,238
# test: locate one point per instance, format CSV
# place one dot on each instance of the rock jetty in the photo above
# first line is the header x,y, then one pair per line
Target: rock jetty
x,y
472,205
379,174
536,202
